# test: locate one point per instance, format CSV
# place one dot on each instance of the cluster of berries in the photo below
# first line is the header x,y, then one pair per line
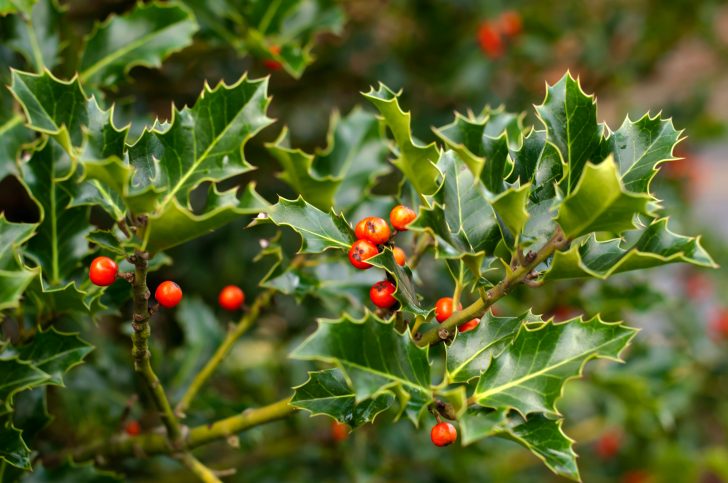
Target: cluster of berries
x,y
104,271
371,233
493,34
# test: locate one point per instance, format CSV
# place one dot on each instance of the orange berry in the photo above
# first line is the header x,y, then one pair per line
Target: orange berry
x,y
374,229
231,297
399,256
401,216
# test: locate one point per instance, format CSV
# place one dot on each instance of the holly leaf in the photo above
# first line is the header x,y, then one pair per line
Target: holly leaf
x,y
375,358
416,162
319,231
530,374
649,247
599,202
343,172
54,353
542,436
16,6
12,132
13,449
639,147
14,276
327,392
70,471
60,242
570,118
461,220
16,376
470,354
36,35
144,36
406,293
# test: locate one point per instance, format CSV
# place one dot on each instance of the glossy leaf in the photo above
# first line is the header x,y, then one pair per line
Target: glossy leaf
x,y
37,36
470,354
144,36
54,353
649,247
406,293
319,231
344,171
374,357
570,118
530,374
14,276
599,202
13,449
416,162
327,392
17,375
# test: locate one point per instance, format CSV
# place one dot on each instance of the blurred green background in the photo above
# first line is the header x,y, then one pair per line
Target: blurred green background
x,y
662,416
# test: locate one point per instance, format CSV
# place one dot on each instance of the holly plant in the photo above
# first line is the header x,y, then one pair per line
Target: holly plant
x,y
493,204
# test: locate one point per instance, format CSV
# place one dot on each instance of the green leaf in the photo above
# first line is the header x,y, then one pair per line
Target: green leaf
x,y
461,220
60,242
53,352
374,357
319,231
36,36
638,148
530,374
143,36
52,106
470,354
650,247
16,6
70,472
12,132
599,202
406,293
344,171
510,205
14,276
327,392
13,449
416,162
16,376
570,118
542,436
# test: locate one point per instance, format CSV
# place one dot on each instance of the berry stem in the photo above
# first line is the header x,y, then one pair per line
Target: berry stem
x,y
236,331
142,355
514,277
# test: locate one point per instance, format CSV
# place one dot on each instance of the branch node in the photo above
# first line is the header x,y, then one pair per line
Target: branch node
x,y
443,334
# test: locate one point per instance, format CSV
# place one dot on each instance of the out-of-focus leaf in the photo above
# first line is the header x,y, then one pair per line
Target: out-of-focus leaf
x,y
37,36
54,353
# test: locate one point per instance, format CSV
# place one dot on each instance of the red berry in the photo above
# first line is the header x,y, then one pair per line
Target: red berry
x,y
339,431
362,250
399,256
381,294
231,297
272,64
608,444
374,229
510,23
102,271
490,40
133,428
719,324
636,476
168,294
469,325
444,308
401,216
443,434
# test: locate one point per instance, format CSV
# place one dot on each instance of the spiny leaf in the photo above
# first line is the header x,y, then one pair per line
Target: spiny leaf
x,y
53,352
374,357
17,375
640,249
639,147
344,171
416,162
599,202
327,392
319,231
470,354
143,36
14,276
530,374
13,449
570,118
